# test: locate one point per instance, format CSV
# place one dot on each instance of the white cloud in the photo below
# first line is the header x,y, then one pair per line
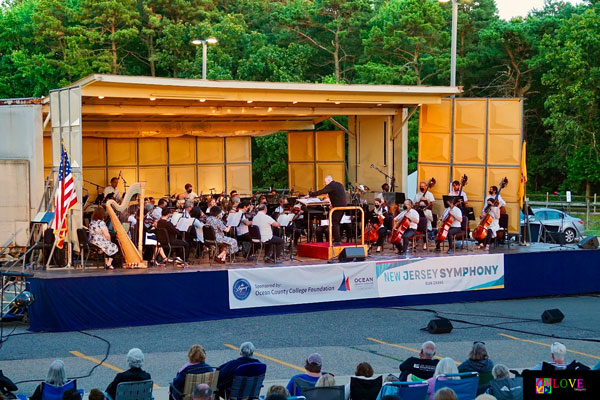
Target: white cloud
x,y
514,8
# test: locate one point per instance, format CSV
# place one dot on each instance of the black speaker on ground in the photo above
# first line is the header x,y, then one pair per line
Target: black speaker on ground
x,y
589,243
553,316
439,325
352,254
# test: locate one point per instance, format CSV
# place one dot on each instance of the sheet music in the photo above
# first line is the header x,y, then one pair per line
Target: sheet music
x,y
183,224
285,219
150,239
175,218
312,200
233,219
324,222
345,219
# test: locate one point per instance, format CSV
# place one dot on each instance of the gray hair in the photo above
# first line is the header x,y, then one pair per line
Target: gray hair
x,y
328,177
559,351
428,349
247,349
135,358
325,380
188,203
478,352
56,373
446,366
500,371
202,391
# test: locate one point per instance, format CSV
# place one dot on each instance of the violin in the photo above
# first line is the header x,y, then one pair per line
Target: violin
x,y
481,231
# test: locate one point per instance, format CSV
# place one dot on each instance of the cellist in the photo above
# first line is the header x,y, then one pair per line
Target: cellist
x,y
380,211
413,217
494,227
455,227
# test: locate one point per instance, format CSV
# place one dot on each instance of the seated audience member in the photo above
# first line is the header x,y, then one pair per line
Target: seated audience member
x,y
422,367
478,360
99,236
362,371
56,377
326,379
486,396
558,352
278,389
391,378
217,224
445,394
164,223
71,394
202,392
196,365
276,396
445,366
96,394
503,387
313,365
227,370
135,373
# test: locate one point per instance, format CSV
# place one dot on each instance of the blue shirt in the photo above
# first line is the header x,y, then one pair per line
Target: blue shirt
x,y
298,392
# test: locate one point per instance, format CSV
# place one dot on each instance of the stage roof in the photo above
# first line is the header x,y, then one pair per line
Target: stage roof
x,y
142,106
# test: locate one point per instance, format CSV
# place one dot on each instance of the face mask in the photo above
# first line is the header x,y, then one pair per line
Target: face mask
x,y
422,190
491,193
189,190
404,208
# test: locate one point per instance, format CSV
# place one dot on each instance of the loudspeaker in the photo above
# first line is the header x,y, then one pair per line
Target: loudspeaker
x,y
552,316
352,254
590,243
440,325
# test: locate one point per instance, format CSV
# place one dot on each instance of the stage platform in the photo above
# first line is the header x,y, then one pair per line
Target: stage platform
x,y
68,300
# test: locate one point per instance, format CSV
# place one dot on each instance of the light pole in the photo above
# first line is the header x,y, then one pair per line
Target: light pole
x,y
204,42
453,43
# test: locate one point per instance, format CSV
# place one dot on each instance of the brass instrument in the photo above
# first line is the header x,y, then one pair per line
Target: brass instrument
x,y
131,254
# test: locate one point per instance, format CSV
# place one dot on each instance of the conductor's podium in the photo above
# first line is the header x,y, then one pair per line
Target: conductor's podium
x,y
326,250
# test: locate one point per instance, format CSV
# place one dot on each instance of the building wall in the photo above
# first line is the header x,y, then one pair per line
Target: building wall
x,y
21,169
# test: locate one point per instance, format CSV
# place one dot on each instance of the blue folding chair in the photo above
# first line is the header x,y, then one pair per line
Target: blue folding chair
x,y
465,387
247,381
137,390
51,392
406,390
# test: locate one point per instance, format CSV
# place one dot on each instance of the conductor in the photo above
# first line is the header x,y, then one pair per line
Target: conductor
x,y
337,197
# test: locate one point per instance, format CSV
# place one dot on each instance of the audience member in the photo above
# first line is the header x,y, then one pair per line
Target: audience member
x,y
445,366
227,370
96,394
478,360
326,379
202,392
279,390
486,396
196,365
421,367
445,394
313,365
135,373
362,371
71,394
276,396
504,387
56,377
391,378
558,352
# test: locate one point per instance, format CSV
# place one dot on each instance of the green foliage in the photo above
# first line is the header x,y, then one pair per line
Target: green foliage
x,y
269,161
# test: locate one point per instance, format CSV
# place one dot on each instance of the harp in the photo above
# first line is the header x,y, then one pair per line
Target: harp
x,y
131,254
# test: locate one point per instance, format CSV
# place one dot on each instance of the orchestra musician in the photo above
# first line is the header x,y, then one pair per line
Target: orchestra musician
x,y
413,217
242,231
337,197
385,188
214,220
381,210
455,227
456,192
189,193
265,225
283,202
494,227
428,215
112,189
419,196
492,194
164,223
233,194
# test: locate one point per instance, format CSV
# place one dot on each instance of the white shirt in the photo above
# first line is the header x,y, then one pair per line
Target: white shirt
x,y
428,196
495,225
455,193
109,189
457,216
156,213
242,228
191,195
500,200
381,210
263,221
412,215
429,216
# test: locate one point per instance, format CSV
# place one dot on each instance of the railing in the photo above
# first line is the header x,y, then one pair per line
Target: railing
x,y
584,207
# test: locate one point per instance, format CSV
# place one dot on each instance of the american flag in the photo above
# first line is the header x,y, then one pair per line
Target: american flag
x,y
66,198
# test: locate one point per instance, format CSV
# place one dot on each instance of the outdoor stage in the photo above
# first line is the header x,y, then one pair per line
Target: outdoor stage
x,y
69,300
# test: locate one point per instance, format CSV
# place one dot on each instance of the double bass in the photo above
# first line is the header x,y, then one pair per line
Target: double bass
x,y
431,183
447,222
481,231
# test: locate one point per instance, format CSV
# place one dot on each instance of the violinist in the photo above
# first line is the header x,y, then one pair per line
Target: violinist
x,y
457,192
283,205
428,197
455,228
413,216
494,211
380,211
242,231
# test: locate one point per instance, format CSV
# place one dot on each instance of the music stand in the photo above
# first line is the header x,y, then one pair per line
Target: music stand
x,y
447,199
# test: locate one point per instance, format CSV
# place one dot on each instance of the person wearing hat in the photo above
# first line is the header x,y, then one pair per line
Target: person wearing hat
x,y
313,365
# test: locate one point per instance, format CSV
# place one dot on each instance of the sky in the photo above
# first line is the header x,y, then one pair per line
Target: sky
x,y
514,8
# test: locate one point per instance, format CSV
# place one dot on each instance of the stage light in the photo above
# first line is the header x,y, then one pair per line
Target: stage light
x,y
202,100
24,299
249,101
152,98
100,97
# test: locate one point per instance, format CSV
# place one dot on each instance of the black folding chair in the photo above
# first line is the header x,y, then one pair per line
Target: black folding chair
x,y
162,237
254,233
87,249
210,241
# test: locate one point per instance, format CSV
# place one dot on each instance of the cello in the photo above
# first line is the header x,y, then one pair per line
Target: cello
x,y
372,231
398,233
481,231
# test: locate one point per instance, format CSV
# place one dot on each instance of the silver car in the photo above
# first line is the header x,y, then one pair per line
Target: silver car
x,y
559,221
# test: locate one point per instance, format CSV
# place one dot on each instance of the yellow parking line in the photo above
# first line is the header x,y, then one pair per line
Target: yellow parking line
x,y
104,364
269,358
547,345
403,347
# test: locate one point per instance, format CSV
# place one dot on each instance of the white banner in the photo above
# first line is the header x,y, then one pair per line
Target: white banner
x,y
277,286
440,274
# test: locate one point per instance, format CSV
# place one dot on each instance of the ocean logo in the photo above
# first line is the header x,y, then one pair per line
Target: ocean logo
x,y
241,289
345,285
543,385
